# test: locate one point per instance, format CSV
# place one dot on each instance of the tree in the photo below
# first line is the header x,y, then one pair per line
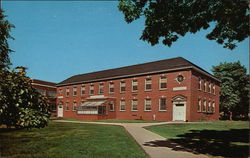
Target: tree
x,y
170,19
20,104
235,87
5,28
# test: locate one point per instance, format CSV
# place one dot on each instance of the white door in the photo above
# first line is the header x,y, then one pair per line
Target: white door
x,y
60,110
179,111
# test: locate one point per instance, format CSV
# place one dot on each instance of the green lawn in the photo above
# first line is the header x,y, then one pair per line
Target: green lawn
x,y
113,121
215,139
66,140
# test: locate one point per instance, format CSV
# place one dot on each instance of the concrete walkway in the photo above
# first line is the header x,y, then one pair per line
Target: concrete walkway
x,y
153,144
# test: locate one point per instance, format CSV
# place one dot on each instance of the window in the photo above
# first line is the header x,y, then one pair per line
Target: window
x,y
199,84
91,89
111,107
41,91
111,87
209,87
213,107
122,86
67,106
148,84
67,92
134,85
60,92
83,90
122,105
163,82
74,106
74,91
213,89
199,105
204,106
147,105
205,86
134,105
52,107
101,88
209,107
162,104
51,94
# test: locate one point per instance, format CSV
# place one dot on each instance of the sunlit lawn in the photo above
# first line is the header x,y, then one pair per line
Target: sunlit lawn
x,y
66,140
215,139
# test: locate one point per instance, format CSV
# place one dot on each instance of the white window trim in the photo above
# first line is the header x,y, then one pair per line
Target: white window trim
x,y
200,83
91,89
132,105
110,87
82,90
67,103
67,90
161,82
133,85
74,103
199,105
112,106
145,100
121,87
209,106
124,105
159,104
145,85
74,90
204,105
99,89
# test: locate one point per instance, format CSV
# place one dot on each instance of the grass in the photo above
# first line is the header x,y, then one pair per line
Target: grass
x,y
113,121
66,140
215,139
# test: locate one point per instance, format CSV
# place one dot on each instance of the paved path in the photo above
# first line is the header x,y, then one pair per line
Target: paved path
x,y
153,144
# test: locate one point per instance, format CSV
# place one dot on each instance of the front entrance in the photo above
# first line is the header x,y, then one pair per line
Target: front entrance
x,y
60,110
179,108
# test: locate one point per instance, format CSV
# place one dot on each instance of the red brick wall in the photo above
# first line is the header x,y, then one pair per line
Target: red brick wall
x,y
155,94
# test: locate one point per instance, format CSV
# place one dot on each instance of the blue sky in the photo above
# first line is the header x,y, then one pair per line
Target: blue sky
x,y
58,39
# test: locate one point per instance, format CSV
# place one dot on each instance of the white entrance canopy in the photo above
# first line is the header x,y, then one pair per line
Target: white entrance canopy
x,y
93,103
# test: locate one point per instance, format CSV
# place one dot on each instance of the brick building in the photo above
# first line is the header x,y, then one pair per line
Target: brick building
x,y
167,90
47,89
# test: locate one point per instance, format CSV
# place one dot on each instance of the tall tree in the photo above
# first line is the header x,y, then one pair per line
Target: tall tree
x,y
5,28
170,19
235,87
20,104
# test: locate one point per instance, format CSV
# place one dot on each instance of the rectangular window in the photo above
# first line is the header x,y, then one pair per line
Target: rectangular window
x,y
122,86
101,86
213,107
91,90
148,84
209,87
111,87
199,105
199,84
162,104
213,89
204,106
205,85
83,90
111,107
74,91
134,105
74,106
67,92
122,105
209,107
67,106
134,85
147,105
60,92
163,83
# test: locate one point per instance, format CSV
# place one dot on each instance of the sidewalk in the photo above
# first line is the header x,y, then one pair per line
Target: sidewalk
x,y
153,144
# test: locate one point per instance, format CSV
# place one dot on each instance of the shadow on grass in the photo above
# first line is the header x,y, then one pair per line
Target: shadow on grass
x,y
231,143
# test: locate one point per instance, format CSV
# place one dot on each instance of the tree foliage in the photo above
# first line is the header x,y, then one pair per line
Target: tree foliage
x,y
20,104
170,19
5,28
235,87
